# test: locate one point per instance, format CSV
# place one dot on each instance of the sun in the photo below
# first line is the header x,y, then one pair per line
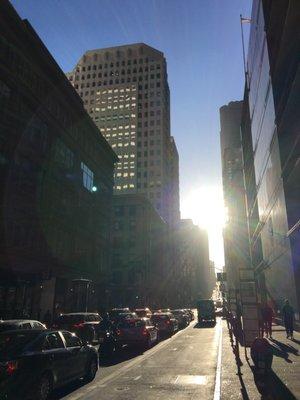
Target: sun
x,y
206,208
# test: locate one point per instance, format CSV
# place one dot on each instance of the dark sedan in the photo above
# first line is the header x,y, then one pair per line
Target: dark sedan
x,y
34,362
84,324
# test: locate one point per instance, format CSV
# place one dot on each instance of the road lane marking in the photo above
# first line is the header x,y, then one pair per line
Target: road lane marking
x,y
191,380
137,378
84,392
217,392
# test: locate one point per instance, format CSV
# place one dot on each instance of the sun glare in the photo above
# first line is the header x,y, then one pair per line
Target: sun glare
x,y
206,208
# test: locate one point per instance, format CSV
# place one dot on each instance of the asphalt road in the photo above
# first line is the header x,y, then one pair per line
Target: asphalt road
x,y
184,367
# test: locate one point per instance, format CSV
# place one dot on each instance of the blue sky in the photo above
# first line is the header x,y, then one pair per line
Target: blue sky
x,y
202,44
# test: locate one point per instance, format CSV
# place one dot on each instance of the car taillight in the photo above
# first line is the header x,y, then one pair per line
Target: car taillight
x,y
79,325
144,332
11,367
168,322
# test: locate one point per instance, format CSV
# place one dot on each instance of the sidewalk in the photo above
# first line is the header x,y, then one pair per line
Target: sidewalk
x,y
284,382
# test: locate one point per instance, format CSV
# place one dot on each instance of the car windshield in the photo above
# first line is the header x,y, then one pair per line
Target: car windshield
x,y
131,324
14,342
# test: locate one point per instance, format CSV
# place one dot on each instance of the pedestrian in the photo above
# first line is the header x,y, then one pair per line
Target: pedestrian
x,y
260,320
267,313
47,318
288,319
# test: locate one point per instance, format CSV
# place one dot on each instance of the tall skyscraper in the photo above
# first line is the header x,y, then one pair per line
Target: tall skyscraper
x,y
270,128
125,90
236,238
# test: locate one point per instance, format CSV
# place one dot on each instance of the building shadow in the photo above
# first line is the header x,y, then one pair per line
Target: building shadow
x,y
282,349
67,389
120,356
272,387
296,341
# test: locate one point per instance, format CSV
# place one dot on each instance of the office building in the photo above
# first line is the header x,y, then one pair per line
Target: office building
x,y
139,273
125,90
235,233
194,278
56,173
272,95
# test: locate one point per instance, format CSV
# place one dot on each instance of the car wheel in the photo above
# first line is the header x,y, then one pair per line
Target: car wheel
x,y
43,388
91,370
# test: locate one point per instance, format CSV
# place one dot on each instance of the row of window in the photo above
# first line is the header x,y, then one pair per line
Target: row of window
x,y
94,67
125,174
149,123
121,144
113,73
150,142
151,163
139,153
126,186
110,82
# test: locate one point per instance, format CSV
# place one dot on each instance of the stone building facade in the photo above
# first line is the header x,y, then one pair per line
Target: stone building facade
x,y
56,173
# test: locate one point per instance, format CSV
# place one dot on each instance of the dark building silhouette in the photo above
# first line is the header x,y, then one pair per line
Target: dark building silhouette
x,y
271,147
196,277
56,173
236,238
139,275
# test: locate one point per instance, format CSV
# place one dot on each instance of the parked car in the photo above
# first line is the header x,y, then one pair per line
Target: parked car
x,y
191,313
141,332
165,322
206,311
107,338
118,315
13,324
143,312
83,324
182,317
34,362
186,311
164,310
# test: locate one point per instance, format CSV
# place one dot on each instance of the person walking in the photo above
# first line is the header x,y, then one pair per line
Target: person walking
x,y
260,320
267,320
288,319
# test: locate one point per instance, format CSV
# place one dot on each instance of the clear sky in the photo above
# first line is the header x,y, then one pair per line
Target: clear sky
x,y
202,44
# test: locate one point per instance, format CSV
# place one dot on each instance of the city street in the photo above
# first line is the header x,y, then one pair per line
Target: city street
x,y
183,367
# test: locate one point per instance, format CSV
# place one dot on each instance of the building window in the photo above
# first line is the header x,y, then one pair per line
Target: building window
x,y
63,155
119,211
87,177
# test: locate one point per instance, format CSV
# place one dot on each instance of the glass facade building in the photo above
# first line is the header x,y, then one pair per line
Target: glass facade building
x,y
269,234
